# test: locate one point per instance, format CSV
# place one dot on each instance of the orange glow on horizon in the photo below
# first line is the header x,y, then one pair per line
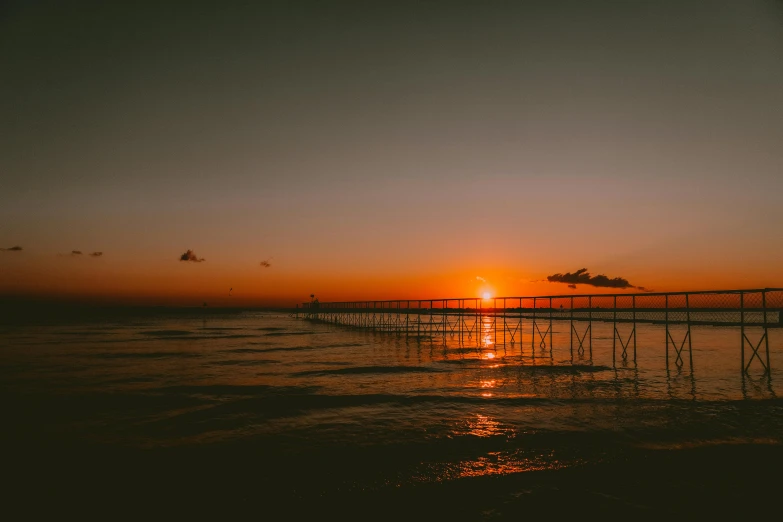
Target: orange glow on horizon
x,y
154,280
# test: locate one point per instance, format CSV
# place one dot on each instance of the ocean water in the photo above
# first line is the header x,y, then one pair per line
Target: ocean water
x,y
312,411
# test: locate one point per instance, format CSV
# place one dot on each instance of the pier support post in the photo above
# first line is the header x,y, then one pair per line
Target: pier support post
x,y
678,361
551,331
763,339
533,332
588,333
571,331
624,344
407,317
418,322
633,304
766,331
614,327
538,334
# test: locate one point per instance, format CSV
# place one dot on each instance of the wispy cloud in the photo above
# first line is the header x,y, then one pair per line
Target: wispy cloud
x,y
12,249
191,256
583,277
266,263
479,278
80,253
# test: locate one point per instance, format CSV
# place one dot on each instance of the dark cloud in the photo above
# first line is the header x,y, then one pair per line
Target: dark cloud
x,y
76,252
96,254
583,277
643,289
12,249
265,263
191,256
572,286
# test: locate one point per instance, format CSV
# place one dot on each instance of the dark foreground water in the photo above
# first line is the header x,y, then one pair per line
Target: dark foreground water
x,y
238,414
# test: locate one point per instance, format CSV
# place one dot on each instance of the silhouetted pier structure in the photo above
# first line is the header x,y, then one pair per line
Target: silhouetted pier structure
x,y
753,312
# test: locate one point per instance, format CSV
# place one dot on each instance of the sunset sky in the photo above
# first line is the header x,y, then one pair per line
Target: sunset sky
x,y
387,150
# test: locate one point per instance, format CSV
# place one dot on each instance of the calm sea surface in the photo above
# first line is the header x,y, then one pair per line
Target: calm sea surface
x,y
357,410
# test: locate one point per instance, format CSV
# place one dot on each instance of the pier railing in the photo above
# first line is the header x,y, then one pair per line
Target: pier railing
x,y
751,311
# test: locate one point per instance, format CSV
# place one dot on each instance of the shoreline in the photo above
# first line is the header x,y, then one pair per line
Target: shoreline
x,y
715,480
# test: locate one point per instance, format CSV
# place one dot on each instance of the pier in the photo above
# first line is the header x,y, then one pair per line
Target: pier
x,y
749,314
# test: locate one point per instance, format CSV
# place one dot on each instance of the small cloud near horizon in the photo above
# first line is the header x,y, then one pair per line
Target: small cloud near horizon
x,y
80,253
583,277
191,256
12,249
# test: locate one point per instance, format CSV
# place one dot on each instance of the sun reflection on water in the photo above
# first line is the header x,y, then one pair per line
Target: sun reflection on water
x,y
497,463
484,426
485,385
486,332
502,463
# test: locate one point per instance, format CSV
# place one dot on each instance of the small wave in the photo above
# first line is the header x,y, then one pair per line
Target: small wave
x,y
530,368
191,337
565,368
370,369
255,390
329,363
130,380
292,348
166,333
296,401
245,350
727,441
246,362
87,333
464,350
471,361
279,334
144,355
343,345
271,329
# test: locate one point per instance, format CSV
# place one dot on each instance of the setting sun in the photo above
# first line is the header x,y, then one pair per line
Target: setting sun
x,y
487,295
